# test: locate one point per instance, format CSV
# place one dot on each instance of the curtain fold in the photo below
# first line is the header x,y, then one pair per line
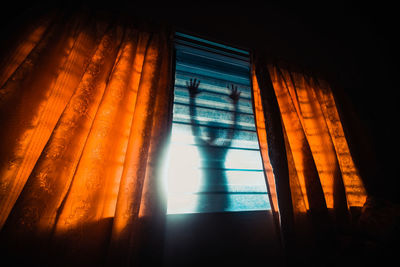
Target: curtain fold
x,y
320,152
272,147
324,185
85,109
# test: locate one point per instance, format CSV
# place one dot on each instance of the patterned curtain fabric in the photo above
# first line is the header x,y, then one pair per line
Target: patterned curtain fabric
x,y
85,111
319,186
322,171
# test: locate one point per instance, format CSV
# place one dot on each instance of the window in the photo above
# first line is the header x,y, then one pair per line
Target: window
x,y
214,158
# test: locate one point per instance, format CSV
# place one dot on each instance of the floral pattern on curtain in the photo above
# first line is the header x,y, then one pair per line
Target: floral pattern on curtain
x,y
85,112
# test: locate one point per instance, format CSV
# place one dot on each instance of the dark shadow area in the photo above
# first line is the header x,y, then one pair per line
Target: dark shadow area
x,y
202,240
86,245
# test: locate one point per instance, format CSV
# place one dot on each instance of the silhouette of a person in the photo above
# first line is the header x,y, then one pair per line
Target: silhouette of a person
x,y
213,149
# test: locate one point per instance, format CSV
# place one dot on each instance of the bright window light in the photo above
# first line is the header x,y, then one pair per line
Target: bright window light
x,y
214,157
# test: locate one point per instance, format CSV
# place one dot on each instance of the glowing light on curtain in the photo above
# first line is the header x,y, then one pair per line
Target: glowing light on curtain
x,y
84,109
262,137
322,173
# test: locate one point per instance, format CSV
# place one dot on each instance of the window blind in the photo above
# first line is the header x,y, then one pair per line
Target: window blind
x,y
214,158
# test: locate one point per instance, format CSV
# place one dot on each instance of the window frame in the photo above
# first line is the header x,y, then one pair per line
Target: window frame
x,y
239,51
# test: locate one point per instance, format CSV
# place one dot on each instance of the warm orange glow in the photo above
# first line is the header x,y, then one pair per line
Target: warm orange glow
x,y
86,106
153,200
294,132
93,193
58,90
355,191
316,145
262,139
53,172
84,112
318,138
74,126
133,175
298,198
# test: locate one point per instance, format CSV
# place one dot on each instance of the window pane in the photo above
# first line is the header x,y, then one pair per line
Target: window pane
x,y
214,158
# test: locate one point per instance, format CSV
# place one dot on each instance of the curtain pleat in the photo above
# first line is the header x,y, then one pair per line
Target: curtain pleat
x,y
324,184
272,146
83,117
24,45
262,137
354,189
300,150
31,104
319,149
137,155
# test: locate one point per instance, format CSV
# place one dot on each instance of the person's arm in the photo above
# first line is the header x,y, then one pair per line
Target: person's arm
x,y
234,96
193,88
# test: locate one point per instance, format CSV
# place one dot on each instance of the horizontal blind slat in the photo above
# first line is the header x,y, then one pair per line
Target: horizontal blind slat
x,y
215,160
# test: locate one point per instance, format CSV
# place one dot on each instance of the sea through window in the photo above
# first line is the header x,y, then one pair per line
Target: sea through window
x,y
214,157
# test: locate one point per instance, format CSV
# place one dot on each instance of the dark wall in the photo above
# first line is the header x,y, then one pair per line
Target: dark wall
x,y
222,239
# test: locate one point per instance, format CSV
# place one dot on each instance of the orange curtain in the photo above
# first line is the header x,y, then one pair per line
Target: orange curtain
x,y
85,111
324,185
323,174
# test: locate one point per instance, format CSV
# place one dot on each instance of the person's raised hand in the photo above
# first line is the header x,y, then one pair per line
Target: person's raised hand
x,y
193,87
235,94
